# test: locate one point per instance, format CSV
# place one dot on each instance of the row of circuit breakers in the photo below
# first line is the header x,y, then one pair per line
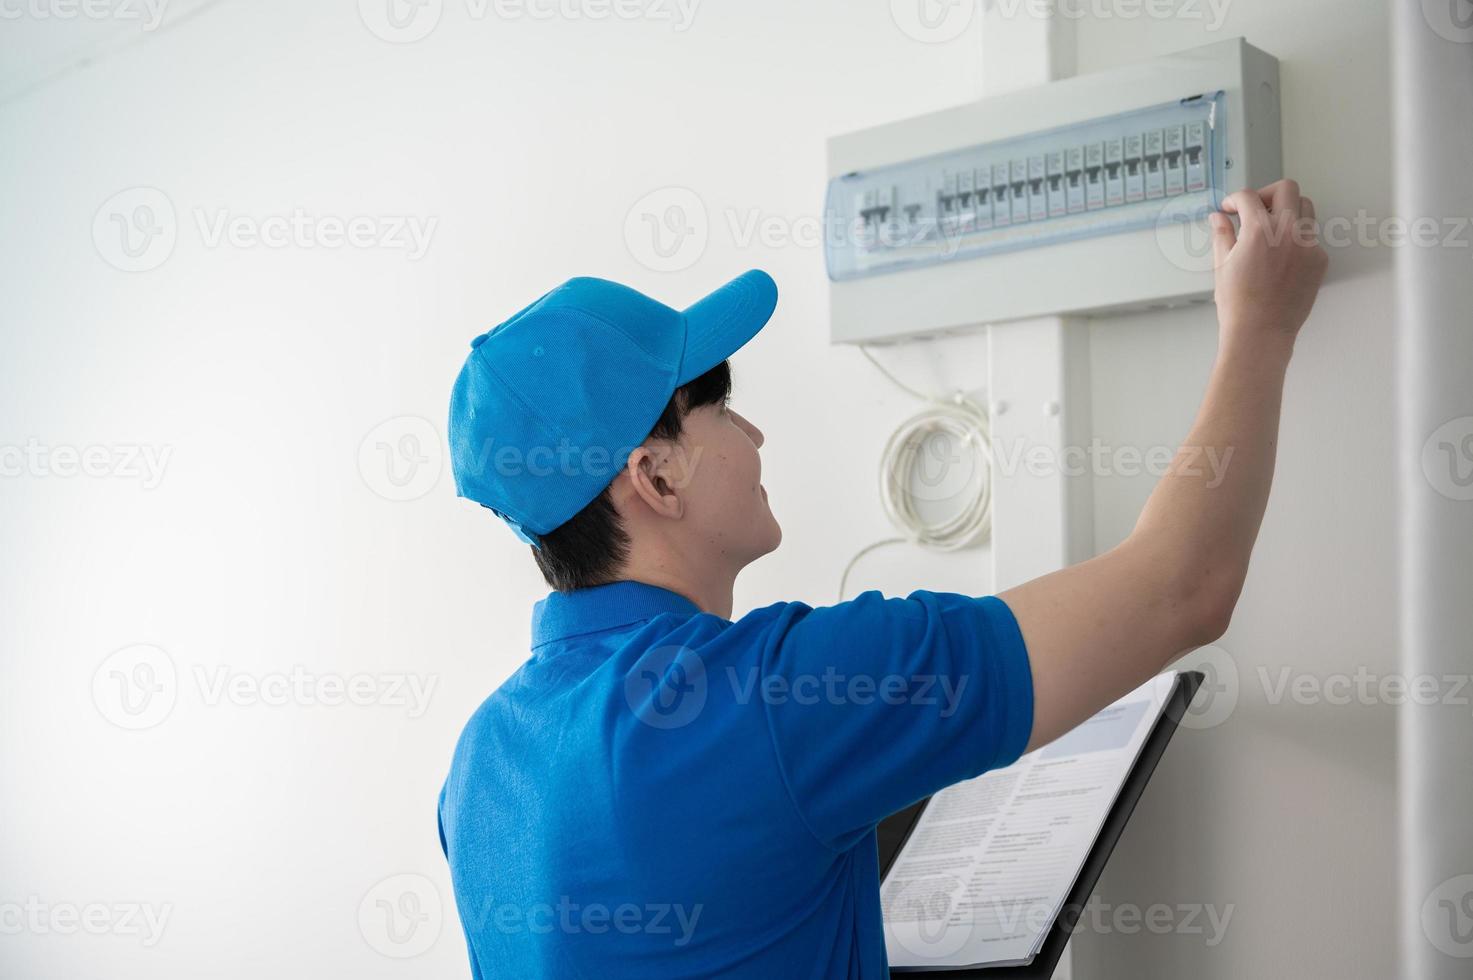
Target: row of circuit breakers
x,y
1098,177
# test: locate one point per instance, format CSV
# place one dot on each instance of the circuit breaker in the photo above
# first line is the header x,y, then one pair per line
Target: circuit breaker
x,y
1086,195
1095,178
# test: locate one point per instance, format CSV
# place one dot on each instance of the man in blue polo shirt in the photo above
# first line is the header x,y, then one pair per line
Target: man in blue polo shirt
x,y
665,791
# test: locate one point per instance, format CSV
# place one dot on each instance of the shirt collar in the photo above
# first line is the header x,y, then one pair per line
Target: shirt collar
x,y
603,607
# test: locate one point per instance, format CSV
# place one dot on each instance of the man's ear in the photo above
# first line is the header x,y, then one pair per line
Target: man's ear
x,y
653,479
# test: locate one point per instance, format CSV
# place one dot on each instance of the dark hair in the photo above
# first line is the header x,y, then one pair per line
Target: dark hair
x,y
592,546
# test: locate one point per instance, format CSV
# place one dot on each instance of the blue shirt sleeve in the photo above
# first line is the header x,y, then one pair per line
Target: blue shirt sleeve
x,y
875,703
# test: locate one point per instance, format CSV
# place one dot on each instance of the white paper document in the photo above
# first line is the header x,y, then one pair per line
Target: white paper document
x,y
990,861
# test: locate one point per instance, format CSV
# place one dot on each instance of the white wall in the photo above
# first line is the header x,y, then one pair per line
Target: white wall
x,y
263,828
1283,810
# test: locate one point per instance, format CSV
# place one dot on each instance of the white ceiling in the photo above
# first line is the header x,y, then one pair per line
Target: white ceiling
x,y
43,40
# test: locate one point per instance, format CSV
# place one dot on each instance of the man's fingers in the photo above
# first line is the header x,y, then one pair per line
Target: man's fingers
x,y
1248,206
1223,237
1307,229
1283,196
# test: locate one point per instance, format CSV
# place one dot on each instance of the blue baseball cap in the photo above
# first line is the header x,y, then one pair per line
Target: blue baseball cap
x,y
550,404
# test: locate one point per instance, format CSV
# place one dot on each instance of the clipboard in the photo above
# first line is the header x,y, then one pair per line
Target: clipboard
x,y
895,830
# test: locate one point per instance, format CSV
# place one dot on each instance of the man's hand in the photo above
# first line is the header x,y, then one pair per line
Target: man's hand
x,y
1269,272
1099,629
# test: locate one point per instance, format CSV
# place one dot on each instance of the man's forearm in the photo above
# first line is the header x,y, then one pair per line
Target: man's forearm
x,y
1202,519
1100,628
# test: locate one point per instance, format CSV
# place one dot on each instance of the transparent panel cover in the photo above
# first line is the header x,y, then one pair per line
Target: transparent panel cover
x,y
1100,177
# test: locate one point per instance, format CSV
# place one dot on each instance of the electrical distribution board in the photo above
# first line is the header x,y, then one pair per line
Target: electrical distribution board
x,y
1095,178
1086,195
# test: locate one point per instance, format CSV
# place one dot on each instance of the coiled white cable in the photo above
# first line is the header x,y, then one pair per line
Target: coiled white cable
x,y
965,424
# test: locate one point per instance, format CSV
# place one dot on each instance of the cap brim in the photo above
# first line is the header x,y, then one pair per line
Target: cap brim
x,y
716,327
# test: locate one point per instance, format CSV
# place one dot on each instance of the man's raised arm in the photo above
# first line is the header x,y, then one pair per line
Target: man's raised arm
x,y
1099,629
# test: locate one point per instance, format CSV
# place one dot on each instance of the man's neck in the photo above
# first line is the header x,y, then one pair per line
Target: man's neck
x,y
710,589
